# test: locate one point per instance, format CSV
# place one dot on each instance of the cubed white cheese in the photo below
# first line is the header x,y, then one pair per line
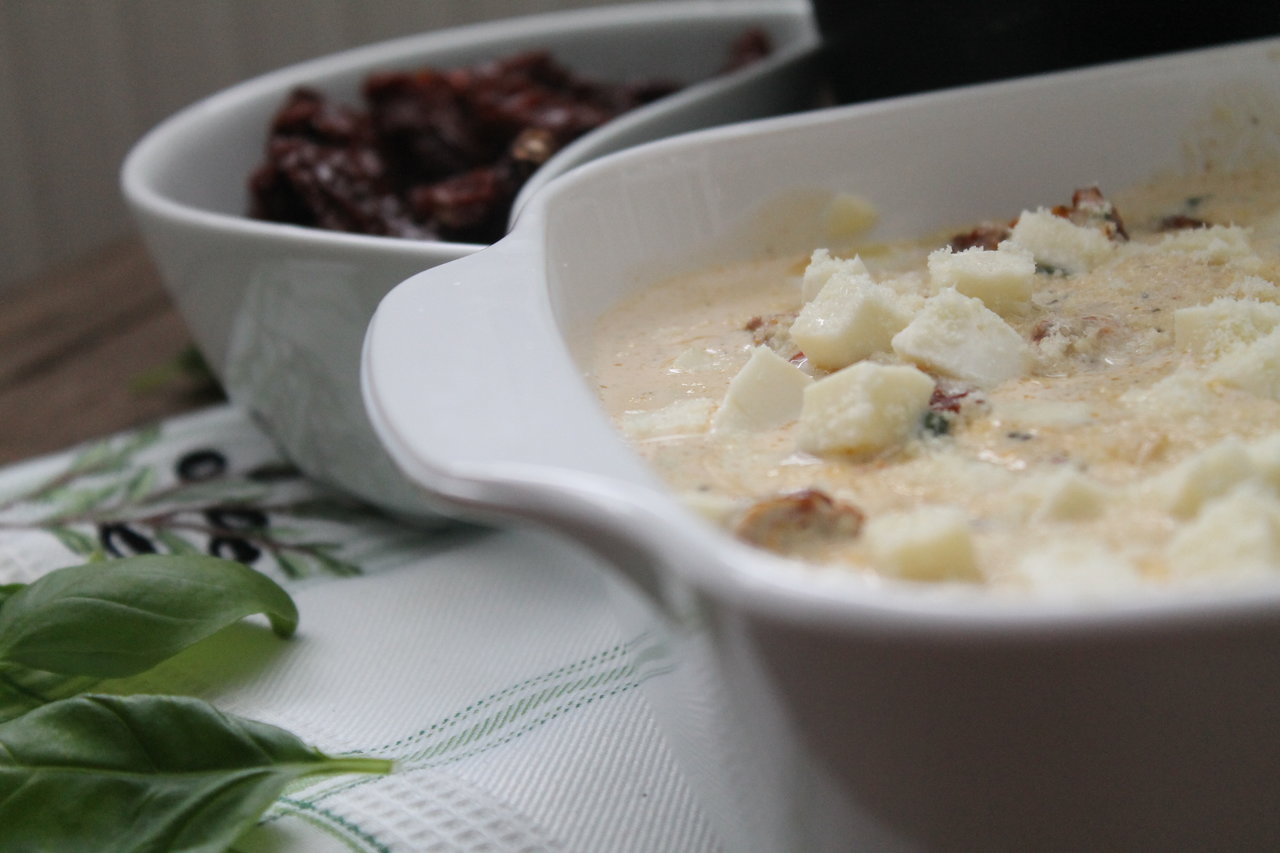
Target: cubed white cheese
x,y
912,287
1069,495
1236,536
958,336
848,215
1217,244
1213,471
683,417
1254,287
1002,279
1058,243
765,393
864,408
1253,367
823,265
932,543
1265,456
850,319
1077,569
1223,324
713,506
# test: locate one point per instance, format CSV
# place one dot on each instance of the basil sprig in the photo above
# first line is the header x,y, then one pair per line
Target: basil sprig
x,y
135,774
145,774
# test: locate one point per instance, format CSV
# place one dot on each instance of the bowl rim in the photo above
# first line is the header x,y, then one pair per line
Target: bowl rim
x,y
138,167
757,581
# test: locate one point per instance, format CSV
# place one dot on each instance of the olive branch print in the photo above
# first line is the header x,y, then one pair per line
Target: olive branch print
x,y
105,503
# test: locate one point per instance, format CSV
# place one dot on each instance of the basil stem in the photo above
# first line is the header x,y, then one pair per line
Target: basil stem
x,y
122,617
146,774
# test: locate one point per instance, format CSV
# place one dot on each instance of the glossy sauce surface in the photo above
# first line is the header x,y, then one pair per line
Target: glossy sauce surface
x,y
1112,402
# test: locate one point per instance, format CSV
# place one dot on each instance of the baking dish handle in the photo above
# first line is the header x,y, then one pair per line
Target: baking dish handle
x,y
473,391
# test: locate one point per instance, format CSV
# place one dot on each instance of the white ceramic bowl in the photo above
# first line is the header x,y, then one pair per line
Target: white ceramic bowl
x,y
279,311
816,713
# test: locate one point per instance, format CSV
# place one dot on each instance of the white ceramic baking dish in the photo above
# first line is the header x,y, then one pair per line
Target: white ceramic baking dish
x,y
821,713
279,311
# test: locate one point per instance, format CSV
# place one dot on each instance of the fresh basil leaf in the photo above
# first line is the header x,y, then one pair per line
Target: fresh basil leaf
x,y
122,617
23,689
145,774
16,699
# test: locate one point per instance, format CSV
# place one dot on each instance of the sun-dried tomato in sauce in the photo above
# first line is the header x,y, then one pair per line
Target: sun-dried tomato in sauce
x,y
438,154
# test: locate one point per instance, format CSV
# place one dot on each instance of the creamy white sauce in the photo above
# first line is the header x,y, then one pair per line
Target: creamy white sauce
x,y
1112,406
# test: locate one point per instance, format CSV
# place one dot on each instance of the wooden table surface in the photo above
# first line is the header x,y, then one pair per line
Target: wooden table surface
x,y
90,350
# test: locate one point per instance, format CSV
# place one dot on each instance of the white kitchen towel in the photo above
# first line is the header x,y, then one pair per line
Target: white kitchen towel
x,y
487,663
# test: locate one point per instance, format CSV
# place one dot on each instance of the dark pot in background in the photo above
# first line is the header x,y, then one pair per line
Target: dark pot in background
x,y
882,49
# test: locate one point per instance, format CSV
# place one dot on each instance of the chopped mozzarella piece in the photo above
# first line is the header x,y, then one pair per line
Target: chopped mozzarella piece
x,y
1265,456
850,319
932,543
1071,496
714,507
1060,244
958,336
1254,287
1253,367
848,215
864,408
765,393
823,265
1212,472
1072,568
1222,325
1216,244
1002,278
1235,536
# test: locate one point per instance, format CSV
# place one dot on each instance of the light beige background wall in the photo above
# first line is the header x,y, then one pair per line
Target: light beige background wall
x,y
81,80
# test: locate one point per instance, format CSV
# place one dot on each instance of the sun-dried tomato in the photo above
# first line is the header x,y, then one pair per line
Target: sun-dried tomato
x,y
986,236
1180,222
788,523
339,188
948,400
321,170
1090,208
437,154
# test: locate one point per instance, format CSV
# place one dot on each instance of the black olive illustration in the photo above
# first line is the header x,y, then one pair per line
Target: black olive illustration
x,y
200,465
121,540
234,548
